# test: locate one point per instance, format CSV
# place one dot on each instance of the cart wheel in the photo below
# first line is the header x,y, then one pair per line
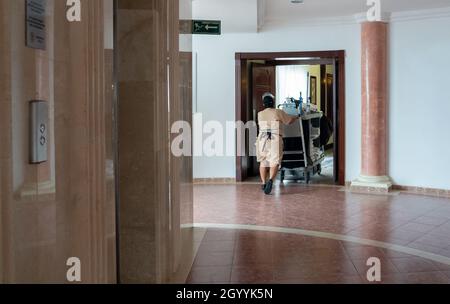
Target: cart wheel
x,y
282,175
308,177
319,169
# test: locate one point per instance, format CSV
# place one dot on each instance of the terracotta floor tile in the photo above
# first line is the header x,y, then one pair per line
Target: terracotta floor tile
x,y
443,267
391,278
252,257
386,267
445,252
438,241
298,271
252,274
214,259
414,221
209,275
431,220
394,254
336,268
427,278
283,255
412,226
424,247
293,281
404,234
217,246
337,279
413,264
220,235
364,252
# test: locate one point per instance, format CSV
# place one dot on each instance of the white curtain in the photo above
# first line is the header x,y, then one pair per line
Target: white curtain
x,y
291,80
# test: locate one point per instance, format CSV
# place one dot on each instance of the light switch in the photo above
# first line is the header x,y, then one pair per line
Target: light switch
x,y
38,131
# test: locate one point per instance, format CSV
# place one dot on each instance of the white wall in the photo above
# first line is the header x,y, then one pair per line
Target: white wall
x,y
419,117
236,15
216,79
419,77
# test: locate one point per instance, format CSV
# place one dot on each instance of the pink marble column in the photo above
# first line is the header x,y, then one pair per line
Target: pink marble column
x,y
374,107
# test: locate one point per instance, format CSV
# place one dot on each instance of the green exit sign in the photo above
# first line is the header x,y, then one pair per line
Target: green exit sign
x,y
206,27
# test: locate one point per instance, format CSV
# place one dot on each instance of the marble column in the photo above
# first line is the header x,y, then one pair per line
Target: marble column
x,y
374,109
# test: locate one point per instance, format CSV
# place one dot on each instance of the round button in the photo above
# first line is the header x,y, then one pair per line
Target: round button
x,y
42,128
43,140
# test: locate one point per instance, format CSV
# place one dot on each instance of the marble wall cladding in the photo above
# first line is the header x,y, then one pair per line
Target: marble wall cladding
x,y
138,87
111,147
155,187
43,226
5,138
186,163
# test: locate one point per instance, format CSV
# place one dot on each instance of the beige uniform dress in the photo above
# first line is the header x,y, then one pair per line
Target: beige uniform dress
x,y
269,145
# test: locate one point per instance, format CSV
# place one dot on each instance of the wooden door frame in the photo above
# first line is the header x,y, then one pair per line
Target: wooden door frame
x,y
242,83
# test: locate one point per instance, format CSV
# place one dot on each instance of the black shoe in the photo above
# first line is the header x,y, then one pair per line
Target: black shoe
x,y
263,187
268,188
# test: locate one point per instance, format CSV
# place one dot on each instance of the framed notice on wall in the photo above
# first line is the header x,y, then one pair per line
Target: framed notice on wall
x,y
35,24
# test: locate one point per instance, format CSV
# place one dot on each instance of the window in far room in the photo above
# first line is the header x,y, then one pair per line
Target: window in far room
x,y
291,80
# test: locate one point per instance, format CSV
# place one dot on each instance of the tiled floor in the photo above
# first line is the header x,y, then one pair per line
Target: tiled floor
x,y
238,256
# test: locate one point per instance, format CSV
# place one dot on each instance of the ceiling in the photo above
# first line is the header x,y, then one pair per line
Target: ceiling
x,y
251,15
281,9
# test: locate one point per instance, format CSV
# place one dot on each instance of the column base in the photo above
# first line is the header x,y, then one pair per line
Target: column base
x,y
378,184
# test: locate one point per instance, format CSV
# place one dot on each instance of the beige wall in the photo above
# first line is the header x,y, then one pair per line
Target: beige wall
x,y
66,207
155,188
63,208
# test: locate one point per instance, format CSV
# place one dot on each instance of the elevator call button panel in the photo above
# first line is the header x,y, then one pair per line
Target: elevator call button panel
x,y
38,131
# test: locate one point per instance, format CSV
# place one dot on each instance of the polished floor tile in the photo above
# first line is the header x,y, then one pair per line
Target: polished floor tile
x,y
399,219
252,274
210,275
427,278
413,264
238,255
293,263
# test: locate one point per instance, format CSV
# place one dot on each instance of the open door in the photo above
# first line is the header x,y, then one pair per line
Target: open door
x,y
263,80
256,74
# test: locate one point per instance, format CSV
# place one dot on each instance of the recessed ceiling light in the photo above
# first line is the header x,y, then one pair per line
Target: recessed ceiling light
x,y
297,1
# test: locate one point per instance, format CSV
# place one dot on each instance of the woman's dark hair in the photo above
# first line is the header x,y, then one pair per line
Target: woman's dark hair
x,y
268,100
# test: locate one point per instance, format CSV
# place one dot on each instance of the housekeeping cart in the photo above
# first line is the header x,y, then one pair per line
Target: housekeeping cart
x,y
302,153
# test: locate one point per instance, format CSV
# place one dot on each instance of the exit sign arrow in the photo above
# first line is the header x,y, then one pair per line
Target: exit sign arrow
x,y
206,27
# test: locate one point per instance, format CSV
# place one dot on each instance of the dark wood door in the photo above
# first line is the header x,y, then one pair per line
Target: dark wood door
x,y
329,112
263,81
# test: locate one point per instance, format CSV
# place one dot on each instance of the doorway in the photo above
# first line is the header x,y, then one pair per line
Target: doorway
x,y
257,73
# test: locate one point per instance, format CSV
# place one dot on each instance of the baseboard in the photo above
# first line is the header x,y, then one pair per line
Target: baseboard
x,y
423,191
417,190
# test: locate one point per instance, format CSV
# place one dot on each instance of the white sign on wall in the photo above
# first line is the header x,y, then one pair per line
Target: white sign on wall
x,y
35,24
